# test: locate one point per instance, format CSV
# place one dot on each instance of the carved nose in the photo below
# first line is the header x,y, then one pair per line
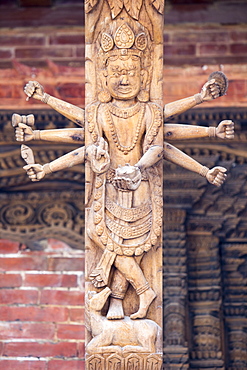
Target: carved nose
x,y
124,80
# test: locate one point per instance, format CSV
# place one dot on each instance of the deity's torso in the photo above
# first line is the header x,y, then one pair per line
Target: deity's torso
x,y
124,132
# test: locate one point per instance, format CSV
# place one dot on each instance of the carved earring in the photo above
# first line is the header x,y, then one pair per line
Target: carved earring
x,y
104,96
143,95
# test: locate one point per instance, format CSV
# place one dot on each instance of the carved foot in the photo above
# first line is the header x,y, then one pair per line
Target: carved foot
x,y
146,299
115,311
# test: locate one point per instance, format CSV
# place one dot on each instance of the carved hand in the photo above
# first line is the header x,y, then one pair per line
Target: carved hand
x,y
98,156
24,132
33,89
210,91
127,177
35,171
216,176
225,130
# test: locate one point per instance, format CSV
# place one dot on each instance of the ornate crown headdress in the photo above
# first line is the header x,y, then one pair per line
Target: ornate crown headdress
x,y
124,42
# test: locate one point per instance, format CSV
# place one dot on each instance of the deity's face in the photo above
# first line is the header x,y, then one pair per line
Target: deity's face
x,y
123,78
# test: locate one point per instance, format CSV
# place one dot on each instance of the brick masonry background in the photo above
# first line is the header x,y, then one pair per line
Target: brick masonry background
x,y
56,60
41,307
41,292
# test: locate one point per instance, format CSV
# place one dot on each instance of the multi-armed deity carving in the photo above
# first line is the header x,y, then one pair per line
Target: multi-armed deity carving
x,y
124,149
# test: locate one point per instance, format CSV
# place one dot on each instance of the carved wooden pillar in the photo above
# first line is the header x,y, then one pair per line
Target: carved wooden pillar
x,y
234,283
205,302
175,290
124,141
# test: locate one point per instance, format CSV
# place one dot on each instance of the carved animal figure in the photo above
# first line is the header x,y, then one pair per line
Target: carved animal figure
x,y
119,336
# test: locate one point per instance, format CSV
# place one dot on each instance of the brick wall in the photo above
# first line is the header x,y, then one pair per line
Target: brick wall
x,y
56,60
41,307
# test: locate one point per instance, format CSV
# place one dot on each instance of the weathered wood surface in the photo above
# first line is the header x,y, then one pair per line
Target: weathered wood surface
x,y
124,191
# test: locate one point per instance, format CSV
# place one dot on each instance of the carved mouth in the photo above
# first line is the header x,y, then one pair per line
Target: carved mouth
x,y
124,90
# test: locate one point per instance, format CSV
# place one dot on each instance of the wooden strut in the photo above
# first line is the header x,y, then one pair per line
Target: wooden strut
x,y
124,147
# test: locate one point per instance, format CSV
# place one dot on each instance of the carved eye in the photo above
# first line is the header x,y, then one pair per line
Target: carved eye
x,y
116,74
131,73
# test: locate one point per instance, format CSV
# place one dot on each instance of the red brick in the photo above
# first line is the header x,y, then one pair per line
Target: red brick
x,y
239,86
237,89
81,349
166,37
179,50
21,263
13,40
68,39
22,365
31,313
27,330
5,53
76,314
50,280
10,91
45,349
209,49
176,88
8,246
10,296
55,244
10,280
238,36
66,365
67,331
67,70
238,49
68,298
66,264
71,90
35,53
201,37
80,52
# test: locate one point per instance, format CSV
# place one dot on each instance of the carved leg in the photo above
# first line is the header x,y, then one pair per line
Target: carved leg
x,y
146,298
133,273
119,287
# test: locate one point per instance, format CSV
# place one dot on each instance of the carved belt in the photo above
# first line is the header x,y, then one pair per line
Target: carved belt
x,y
125,231
111,174
127,214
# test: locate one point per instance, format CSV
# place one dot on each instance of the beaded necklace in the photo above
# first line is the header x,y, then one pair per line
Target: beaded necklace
x,y
109,120
124,112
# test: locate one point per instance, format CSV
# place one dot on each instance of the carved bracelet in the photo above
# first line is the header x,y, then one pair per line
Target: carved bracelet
x,y
47,168
36,135
198,98
45,98
204,170
212,132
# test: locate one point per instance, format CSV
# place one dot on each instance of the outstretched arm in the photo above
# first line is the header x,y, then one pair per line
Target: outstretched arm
x,y
210,91
97,155
24,132
225,130
215,176
36,171
33,89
